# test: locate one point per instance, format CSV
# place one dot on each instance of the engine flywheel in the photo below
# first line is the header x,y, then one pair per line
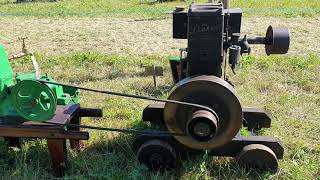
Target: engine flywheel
x,y
206,130
33,100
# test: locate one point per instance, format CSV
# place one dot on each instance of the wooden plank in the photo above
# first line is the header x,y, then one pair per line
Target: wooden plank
x,y
13,128
42,133
75,144
65,113
58,153
62,115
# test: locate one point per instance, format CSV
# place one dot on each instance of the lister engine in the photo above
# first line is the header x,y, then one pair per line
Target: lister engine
x,y
214,43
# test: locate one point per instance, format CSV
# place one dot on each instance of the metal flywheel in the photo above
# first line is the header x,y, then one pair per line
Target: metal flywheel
x,y
34,100
204,129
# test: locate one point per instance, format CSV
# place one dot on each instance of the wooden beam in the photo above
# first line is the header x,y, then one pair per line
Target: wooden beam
x,y
42,132
58,153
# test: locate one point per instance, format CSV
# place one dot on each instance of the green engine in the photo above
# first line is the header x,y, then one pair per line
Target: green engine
x,y
24,97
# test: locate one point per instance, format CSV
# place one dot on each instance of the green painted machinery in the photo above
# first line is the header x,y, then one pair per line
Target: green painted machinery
x,y
22,96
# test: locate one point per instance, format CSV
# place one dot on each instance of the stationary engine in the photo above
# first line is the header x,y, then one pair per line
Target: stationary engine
x,y
202,112
200,74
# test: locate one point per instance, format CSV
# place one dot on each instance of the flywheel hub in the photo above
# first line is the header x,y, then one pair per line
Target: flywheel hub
x,y
205,130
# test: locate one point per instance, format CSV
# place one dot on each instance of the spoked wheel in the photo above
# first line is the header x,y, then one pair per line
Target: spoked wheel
x,y
258,156
33,100
157,155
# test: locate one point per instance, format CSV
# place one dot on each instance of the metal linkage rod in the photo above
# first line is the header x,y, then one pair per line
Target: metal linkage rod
x,y
132,96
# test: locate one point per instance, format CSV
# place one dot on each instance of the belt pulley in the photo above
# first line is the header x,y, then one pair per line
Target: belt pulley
x,y
34,100
131,131
211,124
205,129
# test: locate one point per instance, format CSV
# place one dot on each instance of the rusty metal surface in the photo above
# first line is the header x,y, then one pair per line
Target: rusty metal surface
x,y
258,156
254,118
203,125
65,113
231,149
209,91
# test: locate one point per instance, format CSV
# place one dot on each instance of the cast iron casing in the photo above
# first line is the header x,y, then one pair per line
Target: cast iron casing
x,y
205,26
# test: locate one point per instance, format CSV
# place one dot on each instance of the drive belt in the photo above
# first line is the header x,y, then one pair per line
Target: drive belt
x,y
131,131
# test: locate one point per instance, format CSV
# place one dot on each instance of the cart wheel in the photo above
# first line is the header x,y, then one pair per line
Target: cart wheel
x,y
258,156
157,155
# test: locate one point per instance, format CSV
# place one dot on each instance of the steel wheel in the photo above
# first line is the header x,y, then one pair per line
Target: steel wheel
x,y
258,156
157,155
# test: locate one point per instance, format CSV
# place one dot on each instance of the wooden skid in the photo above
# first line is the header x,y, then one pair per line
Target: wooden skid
x,y
13,128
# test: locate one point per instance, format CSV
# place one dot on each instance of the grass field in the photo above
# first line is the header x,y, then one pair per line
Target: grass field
x,y
286,86
87,51
144,8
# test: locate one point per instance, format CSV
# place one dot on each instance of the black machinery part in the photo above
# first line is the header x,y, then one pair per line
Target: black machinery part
x,y
277,40
253,118
231,149
157,154
210,91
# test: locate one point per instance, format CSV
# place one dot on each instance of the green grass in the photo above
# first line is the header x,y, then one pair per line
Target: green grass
x,y
286,86
41,8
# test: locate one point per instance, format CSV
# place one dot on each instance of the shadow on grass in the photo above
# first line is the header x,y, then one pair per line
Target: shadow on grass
x,y
28,162
113,159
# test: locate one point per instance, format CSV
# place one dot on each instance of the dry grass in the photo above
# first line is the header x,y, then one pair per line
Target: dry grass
x,y
46,8
53,36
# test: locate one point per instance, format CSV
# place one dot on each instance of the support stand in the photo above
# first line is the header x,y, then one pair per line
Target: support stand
x,y
254,151
12,129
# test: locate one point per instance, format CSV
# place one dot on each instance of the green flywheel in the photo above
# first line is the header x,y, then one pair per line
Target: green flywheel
x,y
33,100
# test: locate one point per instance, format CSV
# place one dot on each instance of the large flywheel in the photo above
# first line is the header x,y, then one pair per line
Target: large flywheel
x,y
34,100
205,129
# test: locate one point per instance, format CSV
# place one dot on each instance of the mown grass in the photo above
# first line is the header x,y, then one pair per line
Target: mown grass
x,y
145,8
286,86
